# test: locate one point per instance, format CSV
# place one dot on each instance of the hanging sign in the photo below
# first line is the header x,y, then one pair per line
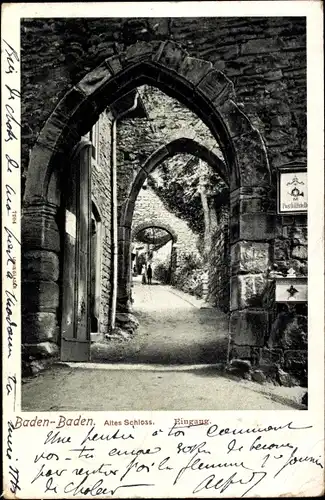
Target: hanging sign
x,y
292,190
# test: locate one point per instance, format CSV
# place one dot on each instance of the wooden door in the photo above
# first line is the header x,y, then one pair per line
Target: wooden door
x,y
75,325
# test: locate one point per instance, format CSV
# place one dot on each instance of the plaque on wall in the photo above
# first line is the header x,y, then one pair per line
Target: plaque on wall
x,y
292,190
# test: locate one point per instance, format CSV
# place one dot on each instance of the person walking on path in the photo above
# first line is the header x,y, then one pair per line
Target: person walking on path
x,y
149,274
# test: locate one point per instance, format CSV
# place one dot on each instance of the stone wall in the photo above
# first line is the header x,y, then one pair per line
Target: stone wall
x,y
138,138
264,57
219,263
288,341
150,208
101,196
283,351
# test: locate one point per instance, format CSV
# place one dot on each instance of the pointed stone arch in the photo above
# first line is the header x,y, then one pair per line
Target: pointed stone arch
x,y
210,94
204,89
163,153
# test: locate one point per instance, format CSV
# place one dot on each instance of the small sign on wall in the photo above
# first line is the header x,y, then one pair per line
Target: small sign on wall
x,y
292,190
70,224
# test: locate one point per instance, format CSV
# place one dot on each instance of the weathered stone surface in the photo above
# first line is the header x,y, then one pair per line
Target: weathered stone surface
x,y
258,376
139,51
114,64
219,265
38,365
271,356
241,365
42,350
273,75
251,205
300,252
286,379
256,226
257,46
32,367
295,333
289,331
281,249
253,165
39,327
298,234
127,320
41,295
248,327
170,55
295,363
40,233
236,121
94,80
217,87
102,213
194,69
241,352
247,291
249,257
39,264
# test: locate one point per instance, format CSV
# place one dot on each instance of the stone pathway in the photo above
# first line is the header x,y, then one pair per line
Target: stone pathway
x,y
175,328
173,363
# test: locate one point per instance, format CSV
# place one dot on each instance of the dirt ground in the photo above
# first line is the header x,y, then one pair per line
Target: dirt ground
x,y
76,387
174,329
173,363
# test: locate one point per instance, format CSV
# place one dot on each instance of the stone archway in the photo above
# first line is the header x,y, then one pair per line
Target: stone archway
x,y
208,93
170,237
165,152
155,224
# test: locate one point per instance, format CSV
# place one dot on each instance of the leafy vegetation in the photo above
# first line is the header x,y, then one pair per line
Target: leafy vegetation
x,y
179,182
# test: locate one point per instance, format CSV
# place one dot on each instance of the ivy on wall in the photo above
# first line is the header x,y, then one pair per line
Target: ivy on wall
x,y
180,183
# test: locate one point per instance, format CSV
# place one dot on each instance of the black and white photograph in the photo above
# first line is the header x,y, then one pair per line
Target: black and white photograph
x,y
152,245
162,243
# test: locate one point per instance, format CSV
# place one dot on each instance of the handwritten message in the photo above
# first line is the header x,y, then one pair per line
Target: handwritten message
x,y
11,173
11,103
81,456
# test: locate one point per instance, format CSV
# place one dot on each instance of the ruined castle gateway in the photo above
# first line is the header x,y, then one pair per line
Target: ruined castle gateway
x,y
177,146
208,93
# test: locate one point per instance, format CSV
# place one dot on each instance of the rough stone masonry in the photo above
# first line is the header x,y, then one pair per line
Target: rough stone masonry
x,y
265,61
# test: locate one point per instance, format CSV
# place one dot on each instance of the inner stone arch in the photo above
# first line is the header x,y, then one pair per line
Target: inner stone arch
x,y
158,225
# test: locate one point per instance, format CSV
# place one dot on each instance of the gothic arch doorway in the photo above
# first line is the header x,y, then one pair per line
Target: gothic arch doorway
x,y
210,94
